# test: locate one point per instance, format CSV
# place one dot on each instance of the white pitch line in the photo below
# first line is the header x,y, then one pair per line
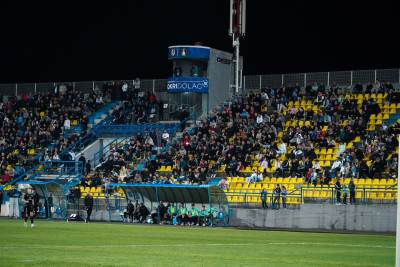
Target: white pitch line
x,y
206,244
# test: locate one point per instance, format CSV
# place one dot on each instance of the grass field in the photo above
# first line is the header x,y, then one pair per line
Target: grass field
x,y
100,244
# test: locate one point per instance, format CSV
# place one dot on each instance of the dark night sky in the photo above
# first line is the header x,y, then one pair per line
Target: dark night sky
x,y
42,42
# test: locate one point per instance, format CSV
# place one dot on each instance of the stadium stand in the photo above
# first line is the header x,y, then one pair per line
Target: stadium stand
x,y
305,138
37,127
292,136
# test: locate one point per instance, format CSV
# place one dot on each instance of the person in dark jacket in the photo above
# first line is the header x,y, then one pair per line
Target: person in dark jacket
x,y
352,188
277,195
338,189
143,213
49,205
130,209
36,202
264,199
88,206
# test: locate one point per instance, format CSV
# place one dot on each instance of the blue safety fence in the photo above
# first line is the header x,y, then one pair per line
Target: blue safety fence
x,y
133,129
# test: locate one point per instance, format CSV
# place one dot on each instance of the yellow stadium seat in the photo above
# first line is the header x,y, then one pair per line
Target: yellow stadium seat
x,y
349,145
248,169
359,182
375,182
307,193
168,168
161,169
316,194
382,182
324,194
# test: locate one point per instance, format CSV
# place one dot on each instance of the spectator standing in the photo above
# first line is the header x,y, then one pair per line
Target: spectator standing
x,y
67,124
264,199
338,189
83,160
345,190
165,138
284,195
276,195
88,168
88,206
14,195
352,188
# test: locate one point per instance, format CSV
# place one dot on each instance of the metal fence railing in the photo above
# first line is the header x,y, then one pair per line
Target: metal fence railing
x,y
341,78
250,82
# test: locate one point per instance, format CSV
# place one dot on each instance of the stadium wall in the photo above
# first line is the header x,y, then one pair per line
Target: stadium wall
x,y
379,218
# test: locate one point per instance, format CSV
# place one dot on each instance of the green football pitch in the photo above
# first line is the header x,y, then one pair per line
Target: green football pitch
x,y
102,244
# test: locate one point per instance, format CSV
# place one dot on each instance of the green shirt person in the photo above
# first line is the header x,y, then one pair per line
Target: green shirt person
x,y
182,217
172,210
204,216
194,215
182,211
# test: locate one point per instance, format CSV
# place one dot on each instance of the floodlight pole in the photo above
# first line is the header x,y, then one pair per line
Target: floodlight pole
x,y
237,29
398,211
237,47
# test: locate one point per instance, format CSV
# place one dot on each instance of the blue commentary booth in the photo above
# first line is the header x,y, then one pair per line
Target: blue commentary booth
x,y
201,77
209,195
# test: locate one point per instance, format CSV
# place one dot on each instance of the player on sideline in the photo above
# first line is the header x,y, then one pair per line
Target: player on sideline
x,y
29,203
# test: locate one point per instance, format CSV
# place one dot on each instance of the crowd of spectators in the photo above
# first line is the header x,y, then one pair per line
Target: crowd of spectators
x,y
246,129
42,122
138,107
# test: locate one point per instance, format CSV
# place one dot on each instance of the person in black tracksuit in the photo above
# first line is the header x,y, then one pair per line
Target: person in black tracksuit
x,y
29,207
352,188
338,189
88,206
130,209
